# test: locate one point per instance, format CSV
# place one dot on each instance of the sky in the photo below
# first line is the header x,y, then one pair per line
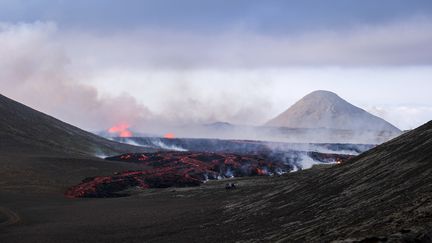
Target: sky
x,y
158,64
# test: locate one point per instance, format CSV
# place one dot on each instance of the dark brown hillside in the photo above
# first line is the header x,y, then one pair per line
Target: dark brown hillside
x,y
383,195
23,129
385,192
39,153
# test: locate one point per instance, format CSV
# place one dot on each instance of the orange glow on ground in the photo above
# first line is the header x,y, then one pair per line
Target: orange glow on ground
x,y
122,130
261,171
169,135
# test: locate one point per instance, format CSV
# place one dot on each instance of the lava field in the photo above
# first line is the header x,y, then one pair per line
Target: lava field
x,y
241,146
181,169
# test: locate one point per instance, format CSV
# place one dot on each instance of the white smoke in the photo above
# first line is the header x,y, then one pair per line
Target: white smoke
x,y
321,149
307,162
236,77
101,155
228,173
132,142
157,142
36,70
405,116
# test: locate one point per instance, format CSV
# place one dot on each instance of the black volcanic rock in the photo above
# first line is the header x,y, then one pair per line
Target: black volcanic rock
x,y
324,109
384,193
182,169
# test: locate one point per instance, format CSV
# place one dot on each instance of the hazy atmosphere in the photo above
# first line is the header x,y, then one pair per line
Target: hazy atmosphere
x,y
215,121
200,62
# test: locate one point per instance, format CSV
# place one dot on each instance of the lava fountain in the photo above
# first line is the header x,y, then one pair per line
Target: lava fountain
x,y
121,129
169,136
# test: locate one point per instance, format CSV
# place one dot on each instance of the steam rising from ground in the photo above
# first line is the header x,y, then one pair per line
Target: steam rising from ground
x,y
295,156
307,162
157,142
153,142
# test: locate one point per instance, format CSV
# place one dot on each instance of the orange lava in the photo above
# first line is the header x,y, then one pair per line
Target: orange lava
x,y
261,171
122,129
169,135
126,134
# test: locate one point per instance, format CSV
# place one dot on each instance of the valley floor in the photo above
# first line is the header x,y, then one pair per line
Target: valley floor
x,y
208,213
367,199
153,215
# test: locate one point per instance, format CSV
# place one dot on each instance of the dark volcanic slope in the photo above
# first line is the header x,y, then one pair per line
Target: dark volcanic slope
x,y
23,129
39,153
384,193
387,190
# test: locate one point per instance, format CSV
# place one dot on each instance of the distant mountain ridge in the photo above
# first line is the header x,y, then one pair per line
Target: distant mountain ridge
x,y
325,109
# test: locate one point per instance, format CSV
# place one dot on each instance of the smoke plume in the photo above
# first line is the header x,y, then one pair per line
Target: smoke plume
x,y
157,81
35,70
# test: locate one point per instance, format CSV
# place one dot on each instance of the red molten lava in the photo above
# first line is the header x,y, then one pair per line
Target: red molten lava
x,y
169,135
122,129
164,169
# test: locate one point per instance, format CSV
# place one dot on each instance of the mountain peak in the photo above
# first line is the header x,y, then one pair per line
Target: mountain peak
x,y
322,93
321,99
325,109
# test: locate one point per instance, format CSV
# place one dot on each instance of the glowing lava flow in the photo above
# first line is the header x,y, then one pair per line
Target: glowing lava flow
x,y
169,135
181,169
122,129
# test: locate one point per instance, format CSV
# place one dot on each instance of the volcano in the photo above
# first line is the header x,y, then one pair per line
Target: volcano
x,y
325,109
